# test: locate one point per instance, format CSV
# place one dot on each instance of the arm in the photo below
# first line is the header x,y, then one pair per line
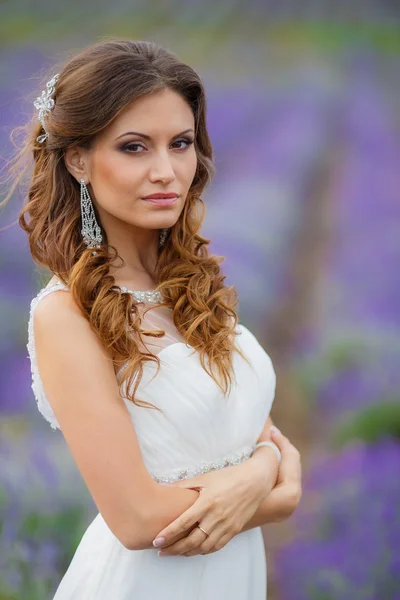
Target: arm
x,y
278,506
285,497
262,453
258,475
240,488
81,386
280,503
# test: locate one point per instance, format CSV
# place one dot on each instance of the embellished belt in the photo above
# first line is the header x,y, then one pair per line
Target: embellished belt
x,y
228,460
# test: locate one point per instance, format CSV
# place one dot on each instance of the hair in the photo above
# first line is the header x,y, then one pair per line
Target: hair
x,y
94,87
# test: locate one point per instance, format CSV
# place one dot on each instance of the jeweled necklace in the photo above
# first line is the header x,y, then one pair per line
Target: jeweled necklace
x,y
152,296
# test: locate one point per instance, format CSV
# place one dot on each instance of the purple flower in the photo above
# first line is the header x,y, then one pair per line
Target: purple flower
x,y
41,514
348,528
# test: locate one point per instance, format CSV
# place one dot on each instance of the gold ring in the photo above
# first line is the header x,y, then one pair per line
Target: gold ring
x,y
207,534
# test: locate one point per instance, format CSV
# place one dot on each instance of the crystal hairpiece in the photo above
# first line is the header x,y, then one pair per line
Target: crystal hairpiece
x,y
44,104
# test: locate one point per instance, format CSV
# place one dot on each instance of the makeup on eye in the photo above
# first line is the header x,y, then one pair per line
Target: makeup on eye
x,y
128,145
147,137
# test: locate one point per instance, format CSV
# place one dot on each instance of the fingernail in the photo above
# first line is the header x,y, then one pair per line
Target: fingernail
x,y
158,541
160,553
274,429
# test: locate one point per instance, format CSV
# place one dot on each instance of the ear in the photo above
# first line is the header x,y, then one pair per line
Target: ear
x,y
76,161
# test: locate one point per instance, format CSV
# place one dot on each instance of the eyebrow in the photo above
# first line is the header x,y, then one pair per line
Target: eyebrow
x,y
148,137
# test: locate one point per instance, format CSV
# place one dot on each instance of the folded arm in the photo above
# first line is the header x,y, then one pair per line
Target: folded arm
x,y
252,487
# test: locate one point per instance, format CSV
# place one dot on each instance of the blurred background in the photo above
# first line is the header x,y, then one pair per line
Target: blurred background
x,y
303,114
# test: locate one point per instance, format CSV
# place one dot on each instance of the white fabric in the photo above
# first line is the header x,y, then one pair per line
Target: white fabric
x,y
197,425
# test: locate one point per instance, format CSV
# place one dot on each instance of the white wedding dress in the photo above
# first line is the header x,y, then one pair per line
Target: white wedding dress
x,y
198,429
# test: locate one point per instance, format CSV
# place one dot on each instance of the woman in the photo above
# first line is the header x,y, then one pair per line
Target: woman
x,y
135,346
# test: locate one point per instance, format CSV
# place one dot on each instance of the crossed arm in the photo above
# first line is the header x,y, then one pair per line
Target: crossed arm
x,y
260,470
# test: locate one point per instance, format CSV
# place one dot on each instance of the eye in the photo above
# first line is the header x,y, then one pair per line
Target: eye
x,y
187,141
130,147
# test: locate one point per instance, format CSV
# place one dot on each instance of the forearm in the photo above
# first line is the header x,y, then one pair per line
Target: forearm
x,y
268,456
277,506
280,502
261,470
166,503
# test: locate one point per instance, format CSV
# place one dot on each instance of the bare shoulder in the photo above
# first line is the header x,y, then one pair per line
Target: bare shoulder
x,y
61,328
57,304
57,314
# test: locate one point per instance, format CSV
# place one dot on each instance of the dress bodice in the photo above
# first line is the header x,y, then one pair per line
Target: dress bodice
x,y
196,425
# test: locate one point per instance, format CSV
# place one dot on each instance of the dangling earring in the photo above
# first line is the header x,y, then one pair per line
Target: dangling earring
x,y
163,237
91,231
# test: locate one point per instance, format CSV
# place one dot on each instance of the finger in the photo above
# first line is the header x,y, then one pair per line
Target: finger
x,y
195,544
215,541
187,544
193,514
221,543
280,440
208,542
288,450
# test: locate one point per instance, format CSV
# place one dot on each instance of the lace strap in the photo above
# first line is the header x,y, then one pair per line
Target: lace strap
x,y
37,385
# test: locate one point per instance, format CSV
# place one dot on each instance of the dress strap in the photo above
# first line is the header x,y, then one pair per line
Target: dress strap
x,y
37,386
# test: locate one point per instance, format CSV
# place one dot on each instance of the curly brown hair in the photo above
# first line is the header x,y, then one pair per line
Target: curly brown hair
x,y
94,86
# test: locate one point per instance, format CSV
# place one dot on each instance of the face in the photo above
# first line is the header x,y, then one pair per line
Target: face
x,y
147,149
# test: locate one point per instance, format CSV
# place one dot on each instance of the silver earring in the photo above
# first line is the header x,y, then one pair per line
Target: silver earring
x,y
163,237
91,231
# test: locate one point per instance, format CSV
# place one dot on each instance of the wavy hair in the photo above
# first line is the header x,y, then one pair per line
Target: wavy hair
x,y
94,86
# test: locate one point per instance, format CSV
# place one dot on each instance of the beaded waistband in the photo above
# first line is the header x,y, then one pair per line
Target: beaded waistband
x,y
228,460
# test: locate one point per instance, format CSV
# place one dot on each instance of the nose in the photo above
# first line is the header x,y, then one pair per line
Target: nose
x,y
161,168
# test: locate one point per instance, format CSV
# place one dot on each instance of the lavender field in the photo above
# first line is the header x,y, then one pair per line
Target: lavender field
x,y
304,118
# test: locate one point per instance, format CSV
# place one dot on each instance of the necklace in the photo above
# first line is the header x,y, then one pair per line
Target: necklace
x,y
152,296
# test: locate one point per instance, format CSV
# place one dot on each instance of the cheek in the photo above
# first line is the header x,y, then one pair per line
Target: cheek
x,y
115,177
115,169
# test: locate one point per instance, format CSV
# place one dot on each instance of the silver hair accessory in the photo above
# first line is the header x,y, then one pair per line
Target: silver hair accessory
x,y
91,231
45,104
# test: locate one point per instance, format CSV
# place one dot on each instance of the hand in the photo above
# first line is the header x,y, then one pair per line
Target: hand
x,y
228,498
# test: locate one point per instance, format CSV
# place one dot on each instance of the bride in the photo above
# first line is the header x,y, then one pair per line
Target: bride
x,y
137,355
